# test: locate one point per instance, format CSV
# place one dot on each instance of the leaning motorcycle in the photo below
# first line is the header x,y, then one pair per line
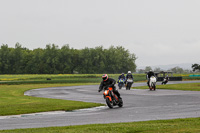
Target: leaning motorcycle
x,y
121,83
152,83
165,80
129,83
111,98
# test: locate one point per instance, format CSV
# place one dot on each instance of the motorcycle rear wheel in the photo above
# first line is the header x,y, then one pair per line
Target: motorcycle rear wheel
x,y
154,87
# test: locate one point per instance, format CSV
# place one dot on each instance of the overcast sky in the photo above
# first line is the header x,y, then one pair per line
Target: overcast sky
x,y
159,32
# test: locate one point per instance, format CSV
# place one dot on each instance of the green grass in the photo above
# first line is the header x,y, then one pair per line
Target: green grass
x,y
13,101
186,87
188,125
59,78
55,78
69,78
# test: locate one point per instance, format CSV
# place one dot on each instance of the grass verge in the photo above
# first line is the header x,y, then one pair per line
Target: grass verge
x,y
186,87
13,101
188,125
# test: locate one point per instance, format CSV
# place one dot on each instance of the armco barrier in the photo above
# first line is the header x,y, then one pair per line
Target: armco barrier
x,y
171,78
194,75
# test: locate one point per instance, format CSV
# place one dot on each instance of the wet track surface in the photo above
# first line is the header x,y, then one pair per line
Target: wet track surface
x,y
139,105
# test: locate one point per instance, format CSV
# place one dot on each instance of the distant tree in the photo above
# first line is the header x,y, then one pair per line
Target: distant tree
x,y
118,60
53,60
187,71
195,67
157,69
75,61
147,68
141,71
36,64
99,60
177,70
17,59
86,61
4,59
65,59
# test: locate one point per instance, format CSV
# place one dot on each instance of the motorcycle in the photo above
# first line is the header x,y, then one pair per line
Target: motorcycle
x,y
121,83
152,83
129,83
111,98
165,80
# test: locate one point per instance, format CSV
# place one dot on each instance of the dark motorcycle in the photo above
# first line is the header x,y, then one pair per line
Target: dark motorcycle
x,y
111,98
165,80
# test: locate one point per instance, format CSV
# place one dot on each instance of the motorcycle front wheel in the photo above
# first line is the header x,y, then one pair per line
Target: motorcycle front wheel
x,y
109,103
128,86
120,103
120,86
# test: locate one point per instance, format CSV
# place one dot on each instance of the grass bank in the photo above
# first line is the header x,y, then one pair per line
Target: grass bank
x,y
69,78
186,87
189,125
13,101
59,78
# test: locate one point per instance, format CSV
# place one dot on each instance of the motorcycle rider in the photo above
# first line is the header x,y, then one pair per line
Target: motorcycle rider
x,y
121,80
149,74
165,80
108,82
129,75
121,76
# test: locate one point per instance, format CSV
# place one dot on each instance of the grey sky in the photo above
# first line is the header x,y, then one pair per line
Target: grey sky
x,y
159,32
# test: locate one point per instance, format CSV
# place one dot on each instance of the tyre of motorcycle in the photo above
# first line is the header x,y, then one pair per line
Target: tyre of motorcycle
x,y
120,85
120,103
109,103
152,83
128,86
152,86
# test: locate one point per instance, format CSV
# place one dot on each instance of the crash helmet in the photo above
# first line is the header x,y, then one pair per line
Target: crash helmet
x,y
105,77
129,71
122,73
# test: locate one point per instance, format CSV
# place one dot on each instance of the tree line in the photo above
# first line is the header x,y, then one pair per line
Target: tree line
x,y
195,68
65,60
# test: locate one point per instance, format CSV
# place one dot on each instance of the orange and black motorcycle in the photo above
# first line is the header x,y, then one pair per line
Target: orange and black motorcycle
x,y
111,98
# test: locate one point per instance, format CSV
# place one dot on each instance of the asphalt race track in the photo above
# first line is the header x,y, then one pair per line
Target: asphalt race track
x,y
139,105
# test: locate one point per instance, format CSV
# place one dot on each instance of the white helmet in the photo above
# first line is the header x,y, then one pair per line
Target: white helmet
x,y
129,71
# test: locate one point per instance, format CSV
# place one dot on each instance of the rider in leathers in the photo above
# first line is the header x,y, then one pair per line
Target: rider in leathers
x,y
129,75
122,77
108,82
149,74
